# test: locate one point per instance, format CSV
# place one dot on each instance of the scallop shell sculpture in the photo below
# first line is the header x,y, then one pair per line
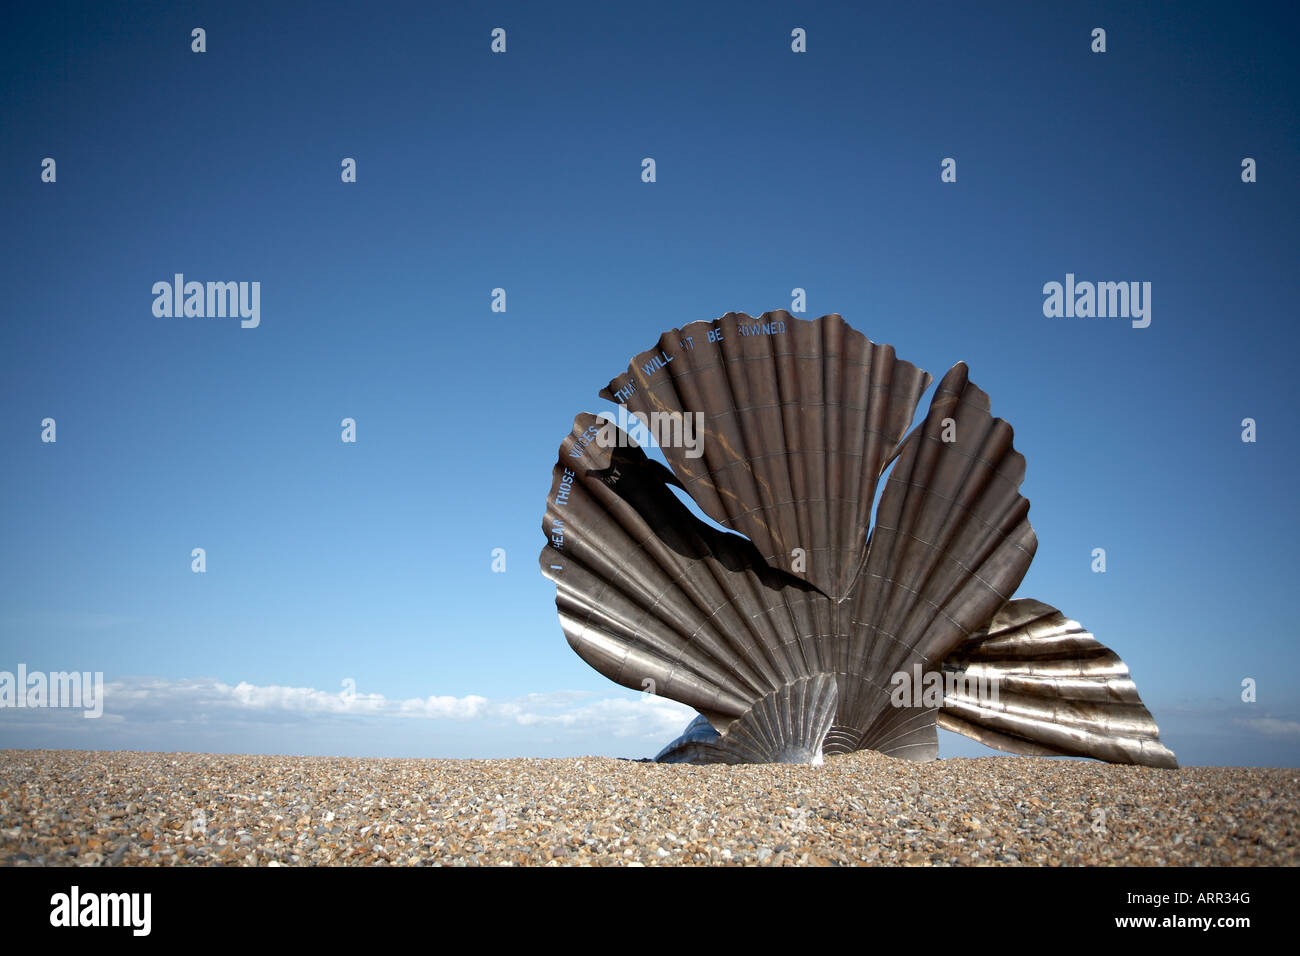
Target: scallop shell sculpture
x,y
796,633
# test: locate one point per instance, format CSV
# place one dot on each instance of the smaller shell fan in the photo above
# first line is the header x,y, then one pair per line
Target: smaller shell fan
x,y
1060,691
786,726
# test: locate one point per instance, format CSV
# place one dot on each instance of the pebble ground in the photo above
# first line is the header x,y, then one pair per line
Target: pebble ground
x,y
119,808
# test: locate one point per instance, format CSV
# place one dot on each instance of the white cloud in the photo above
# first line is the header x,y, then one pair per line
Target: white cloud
x,y
644,715
205,701
1271,726
447,708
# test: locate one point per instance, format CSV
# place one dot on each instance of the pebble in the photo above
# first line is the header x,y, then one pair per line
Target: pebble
x,y
119,808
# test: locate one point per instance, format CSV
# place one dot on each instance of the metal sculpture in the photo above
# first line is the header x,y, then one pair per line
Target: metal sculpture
x,y
804,630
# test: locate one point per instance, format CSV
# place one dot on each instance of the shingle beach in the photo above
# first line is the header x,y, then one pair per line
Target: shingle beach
x,y
103,808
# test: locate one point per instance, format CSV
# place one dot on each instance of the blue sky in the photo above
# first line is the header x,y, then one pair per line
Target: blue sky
x,y
372,561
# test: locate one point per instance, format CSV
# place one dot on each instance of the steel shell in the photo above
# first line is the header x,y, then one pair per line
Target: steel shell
x,y
788,632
